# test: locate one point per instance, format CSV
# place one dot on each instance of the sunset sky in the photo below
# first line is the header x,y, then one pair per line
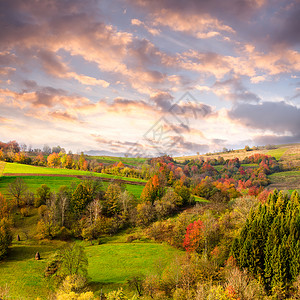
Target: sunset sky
x,y
113,75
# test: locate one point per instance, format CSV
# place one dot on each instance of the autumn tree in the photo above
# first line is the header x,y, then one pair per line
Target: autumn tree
x,y
53,160
5,236
5,207
194,236
153,190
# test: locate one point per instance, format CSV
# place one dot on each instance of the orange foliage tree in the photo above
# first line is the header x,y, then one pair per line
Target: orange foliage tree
x,y
153,190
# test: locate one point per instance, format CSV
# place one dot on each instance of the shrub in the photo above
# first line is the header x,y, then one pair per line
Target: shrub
x,y
5,236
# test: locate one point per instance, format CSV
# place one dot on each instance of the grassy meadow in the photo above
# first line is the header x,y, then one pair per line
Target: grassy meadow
x,y
14,168
288,180
110,265
34,182
286,154
131,161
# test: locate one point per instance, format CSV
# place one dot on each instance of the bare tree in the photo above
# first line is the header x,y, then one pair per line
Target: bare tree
x,y
17,189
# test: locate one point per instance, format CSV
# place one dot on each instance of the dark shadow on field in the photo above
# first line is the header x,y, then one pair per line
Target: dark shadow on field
x,y
104,286
23,252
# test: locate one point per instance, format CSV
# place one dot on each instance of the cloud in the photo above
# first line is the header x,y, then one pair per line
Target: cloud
x,y
279,118
233,89
63,116
137,22
286,29
4,120
200,18
53,65
201,26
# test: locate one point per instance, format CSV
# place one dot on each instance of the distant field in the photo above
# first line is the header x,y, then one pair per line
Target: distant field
x,y
132,161
14,168
285,180
55,183
246,166
287,154
277,153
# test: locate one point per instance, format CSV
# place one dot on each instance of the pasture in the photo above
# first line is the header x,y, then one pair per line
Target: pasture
x,y
131,161
34,182
110,265
14,168
288,180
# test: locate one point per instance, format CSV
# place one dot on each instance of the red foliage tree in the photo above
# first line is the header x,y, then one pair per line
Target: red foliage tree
x,y
193,237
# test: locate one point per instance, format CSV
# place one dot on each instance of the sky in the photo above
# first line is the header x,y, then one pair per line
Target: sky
x,y
146,78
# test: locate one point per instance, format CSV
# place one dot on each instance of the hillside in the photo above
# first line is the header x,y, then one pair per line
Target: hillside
x,y
148,226
288,155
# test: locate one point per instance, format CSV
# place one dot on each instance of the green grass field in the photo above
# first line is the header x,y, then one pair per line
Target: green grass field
x,y
110,265
249,166
132,161
286,174
288,180
201,199
55,183
14,168
22,274
218,167
277,153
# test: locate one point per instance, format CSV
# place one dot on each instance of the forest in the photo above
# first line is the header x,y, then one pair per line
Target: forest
x,y
210,226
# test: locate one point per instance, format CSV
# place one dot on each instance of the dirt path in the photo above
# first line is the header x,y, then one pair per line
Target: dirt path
x,y
80,177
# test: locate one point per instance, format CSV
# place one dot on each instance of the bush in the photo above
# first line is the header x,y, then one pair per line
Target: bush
x,y
25,211
5,237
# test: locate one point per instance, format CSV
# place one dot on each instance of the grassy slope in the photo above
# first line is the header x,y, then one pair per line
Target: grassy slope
x,y
132,161
277,153
12,168
110,265
285,180
20,271
55,183
285,153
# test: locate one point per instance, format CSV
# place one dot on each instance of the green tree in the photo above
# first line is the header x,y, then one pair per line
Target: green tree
x,y
111,205
43,194
80,199
268,243
73,261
